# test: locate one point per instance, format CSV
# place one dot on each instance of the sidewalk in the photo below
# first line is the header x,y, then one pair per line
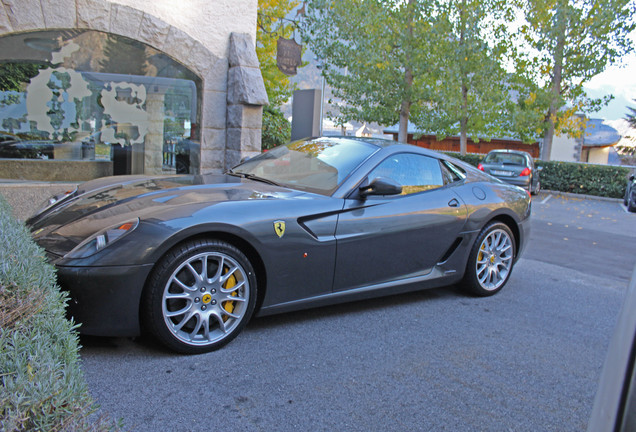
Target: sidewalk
x,y
26,197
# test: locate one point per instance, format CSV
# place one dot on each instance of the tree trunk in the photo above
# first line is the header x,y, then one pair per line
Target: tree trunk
x,y
463,120
555,88
405,107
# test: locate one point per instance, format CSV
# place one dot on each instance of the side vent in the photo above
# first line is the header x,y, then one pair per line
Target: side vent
x,y
450,250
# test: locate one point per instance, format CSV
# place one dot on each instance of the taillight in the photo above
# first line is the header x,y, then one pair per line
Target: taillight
x,y
481,167
526,172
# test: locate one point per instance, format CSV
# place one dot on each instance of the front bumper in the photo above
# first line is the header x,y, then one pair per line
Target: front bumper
x,y
105,300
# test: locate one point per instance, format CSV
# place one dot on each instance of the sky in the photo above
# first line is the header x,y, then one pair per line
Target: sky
x,y
619,81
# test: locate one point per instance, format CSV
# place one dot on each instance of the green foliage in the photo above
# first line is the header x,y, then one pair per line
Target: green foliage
x,y
567,43
599,180
631,118
276,129
579,178
271,26
43,388
470,158
15,76
438,63
375,55
471,88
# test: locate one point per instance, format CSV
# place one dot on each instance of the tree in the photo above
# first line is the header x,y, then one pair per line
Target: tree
x,y
472,89
276,128
374,55
427,61
272,24
631,118
571,41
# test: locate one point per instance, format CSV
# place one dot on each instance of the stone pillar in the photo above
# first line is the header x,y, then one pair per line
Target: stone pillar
x,y
246,96
153,155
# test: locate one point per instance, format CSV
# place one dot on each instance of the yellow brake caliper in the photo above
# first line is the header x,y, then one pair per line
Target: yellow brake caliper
x,y
229,305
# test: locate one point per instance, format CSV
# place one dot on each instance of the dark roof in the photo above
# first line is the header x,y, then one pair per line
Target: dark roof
x,y
598,134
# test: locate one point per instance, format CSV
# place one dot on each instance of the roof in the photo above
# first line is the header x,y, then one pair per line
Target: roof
x,y
599,134
412,129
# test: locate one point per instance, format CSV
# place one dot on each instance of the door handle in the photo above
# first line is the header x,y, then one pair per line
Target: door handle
x,y
453,203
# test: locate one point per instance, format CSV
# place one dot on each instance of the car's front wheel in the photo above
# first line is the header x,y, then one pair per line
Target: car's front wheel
x,y
490,261
200,296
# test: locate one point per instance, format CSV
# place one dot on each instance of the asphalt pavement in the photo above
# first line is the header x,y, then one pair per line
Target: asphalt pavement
x,y
527,359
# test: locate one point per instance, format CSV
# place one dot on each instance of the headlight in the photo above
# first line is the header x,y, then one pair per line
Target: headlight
x,y
102,239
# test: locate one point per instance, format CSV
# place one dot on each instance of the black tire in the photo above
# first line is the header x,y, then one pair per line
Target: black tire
x,y
631,206
189,305
490,261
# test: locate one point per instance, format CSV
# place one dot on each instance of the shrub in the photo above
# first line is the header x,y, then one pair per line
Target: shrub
x,y
276,129
470,158
573,177
580,178
42,385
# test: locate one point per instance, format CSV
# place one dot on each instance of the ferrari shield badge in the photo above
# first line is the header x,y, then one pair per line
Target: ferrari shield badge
x,y
279,227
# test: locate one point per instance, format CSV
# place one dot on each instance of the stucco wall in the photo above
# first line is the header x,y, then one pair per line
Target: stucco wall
x,y
598,155
563,149
208,21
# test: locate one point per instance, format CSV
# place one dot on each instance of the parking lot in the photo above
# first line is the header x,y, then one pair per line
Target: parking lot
x,y
526,359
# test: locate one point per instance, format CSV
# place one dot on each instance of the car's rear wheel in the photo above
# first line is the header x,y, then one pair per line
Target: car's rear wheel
x,y
490,261
200,296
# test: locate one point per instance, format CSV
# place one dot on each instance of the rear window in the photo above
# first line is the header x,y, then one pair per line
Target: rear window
x,y
506,158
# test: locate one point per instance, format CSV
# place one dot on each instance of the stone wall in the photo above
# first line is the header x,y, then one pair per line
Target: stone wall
x,y
195,33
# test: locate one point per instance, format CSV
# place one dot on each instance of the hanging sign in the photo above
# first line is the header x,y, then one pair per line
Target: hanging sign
x,y
288,54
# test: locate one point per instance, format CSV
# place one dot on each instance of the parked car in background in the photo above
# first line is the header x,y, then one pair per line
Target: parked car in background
x,y
630,194
513,166
24,147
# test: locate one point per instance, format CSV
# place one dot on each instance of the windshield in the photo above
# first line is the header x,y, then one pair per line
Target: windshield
x,y
317,165
506,158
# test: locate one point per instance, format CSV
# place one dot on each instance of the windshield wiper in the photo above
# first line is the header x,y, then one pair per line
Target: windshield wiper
x,y
253,177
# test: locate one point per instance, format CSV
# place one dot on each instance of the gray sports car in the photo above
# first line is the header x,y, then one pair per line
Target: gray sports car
x,y
316,222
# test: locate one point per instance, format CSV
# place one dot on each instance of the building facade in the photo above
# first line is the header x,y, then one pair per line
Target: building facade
x,y
90,88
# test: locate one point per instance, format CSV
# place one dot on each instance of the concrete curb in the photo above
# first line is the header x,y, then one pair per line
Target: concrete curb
x,y
580,196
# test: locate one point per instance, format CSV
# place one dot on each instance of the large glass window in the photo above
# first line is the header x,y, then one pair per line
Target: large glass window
x,y
81,95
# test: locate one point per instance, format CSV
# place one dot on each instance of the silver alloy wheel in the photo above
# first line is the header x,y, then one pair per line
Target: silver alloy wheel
x,y
205,298
494,260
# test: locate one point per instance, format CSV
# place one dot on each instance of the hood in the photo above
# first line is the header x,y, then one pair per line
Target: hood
x,y
101,203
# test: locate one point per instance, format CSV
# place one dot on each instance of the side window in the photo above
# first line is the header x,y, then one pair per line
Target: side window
x,y
451,173
416,173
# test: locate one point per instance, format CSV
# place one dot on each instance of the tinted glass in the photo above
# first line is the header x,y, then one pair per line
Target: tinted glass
x,y
416,173
91,96
317,165
506,158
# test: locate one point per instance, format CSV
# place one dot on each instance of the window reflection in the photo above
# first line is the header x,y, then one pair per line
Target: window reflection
x,y
91,96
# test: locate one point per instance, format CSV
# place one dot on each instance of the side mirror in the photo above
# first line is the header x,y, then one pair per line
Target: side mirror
x,y
631,177
381,186
539,168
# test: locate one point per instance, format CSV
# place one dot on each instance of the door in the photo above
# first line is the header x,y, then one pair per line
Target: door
x,y
384,238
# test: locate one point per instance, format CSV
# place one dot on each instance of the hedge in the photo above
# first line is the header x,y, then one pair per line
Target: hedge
x,y
573,177
43,388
